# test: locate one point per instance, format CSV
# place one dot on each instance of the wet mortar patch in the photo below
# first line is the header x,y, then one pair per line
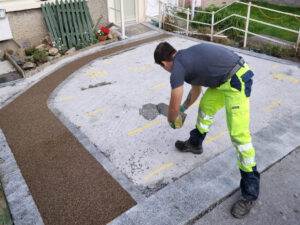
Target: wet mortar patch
x,y
151,111
96,85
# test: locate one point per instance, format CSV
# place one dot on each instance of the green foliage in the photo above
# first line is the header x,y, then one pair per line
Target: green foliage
x,y
29,51
81,45
40,56
62,48
258,14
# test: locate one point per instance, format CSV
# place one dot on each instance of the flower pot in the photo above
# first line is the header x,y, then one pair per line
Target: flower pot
x,y
102,38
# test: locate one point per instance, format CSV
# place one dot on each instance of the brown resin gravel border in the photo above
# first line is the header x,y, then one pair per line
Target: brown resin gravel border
x,y
67,183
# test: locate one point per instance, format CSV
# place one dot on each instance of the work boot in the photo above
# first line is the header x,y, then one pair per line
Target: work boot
x,y
242,207
187,146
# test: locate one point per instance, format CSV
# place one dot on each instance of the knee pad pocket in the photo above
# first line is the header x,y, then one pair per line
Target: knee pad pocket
x,y
247,79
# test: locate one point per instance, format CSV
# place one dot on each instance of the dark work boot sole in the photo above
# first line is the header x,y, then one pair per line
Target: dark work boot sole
x,y
186,146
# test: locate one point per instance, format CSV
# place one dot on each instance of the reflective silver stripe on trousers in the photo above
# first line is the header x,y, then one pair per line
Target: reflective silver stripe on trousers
x,y
204,116
246,147
203,126
247,161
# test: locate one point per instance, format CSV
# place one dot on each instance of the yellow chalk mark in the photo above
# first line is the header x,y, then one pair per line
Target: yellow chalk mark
x,y
159,85
272,105
144,127
274,67
137,29
159,170
146,68
65,99
102,73
106,61
195,104
216,137
95,111
280,77
132,68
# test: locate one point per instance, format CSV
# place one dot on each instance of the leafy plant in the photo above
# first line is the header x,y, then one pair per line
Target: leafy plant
x,y
29,51
40,56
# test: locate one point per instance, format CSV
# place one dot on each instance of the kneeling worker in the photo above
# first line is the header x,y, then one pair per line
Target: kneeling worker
x,y
229,81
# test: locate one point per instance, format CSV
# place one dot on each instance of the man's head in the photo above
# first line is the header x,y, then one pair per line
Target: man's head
x,y
164,55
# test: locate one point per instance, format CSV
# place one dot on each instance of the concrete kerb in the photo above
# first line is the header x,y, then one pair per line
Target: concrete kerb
x,y
98,155
21,204
225,159
46,71
198,191
238,50
50,69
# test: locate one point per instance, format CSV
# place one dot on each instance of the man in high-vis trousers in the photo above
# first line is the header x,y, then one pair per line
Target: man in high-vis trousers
x,y
228,80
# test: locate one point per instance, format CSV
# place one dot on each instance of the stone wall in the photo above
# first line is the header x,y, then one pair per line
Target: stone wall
x,y
29,25
219,3
292,3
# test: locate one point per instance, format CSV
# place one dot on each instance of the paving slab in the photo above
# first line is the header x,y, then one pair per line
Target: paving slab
x,y
278,204
199,191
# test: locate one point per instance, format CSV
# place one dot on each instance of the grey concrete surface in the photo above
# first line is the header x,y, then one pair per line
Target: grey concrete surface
x,y
144,150
201,189
278,203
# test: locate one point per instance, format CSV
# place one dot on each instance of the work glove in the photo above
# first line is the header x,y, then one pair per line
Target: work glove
x,y
182,108
177,123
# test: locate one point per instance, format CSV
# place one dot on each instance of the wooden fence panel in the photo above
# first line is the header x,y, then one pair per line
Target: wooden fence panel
x,y
69,23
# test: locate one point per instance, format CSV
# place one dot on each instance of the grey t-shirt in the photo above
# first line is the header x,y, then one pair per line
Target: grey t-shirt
x,y
202,64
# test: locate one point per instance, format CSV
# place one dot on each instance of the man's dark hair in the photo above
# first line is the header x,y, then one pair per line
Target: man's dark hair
x,y
164,52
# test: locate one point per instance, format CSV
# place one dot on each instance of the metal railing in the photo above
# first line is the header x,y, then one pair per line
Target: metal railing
x,y
121,11
170,11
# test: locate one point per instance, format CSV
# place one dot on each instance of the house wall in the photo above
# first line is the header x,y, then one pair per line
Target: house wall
x,y
293,3
206,3
29,25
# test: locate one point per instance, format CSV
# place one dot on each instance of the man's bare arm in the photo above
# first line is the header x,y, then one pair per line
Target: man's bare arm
x,y
192,96
176,96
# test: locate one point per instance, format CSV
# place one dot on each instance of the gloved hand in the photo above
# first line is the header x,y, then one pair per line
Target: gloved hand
x,y
177,123
182,108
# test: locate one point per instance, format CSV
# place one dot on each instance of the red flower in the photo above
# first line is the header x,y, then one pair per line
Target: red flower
x,y
106,31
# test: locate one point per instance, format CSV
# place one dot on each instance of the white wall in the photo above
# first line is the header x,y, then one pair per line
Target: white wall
x,y
152,6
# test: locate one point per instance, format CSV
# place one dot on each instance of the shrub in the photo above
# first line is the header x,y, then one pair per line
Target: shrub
x,y
29,51
40,56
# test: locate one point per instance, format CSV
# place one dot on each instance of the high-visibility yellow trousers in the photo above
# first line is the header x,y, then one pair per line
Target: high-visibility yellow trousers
x,y
234,95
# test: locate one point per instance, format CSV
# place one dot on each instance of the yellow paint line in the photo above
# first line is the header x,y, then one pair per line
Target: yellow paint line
x,y
144,127
132,68
95,111
216,137
102,73
274,67
65,99
159,85
106,61
146,68
195,104
272,105
159,170
281,77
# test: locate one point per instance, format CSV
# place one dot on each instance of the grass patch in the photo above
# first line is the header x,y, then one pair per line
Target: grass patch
x,y
279,19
